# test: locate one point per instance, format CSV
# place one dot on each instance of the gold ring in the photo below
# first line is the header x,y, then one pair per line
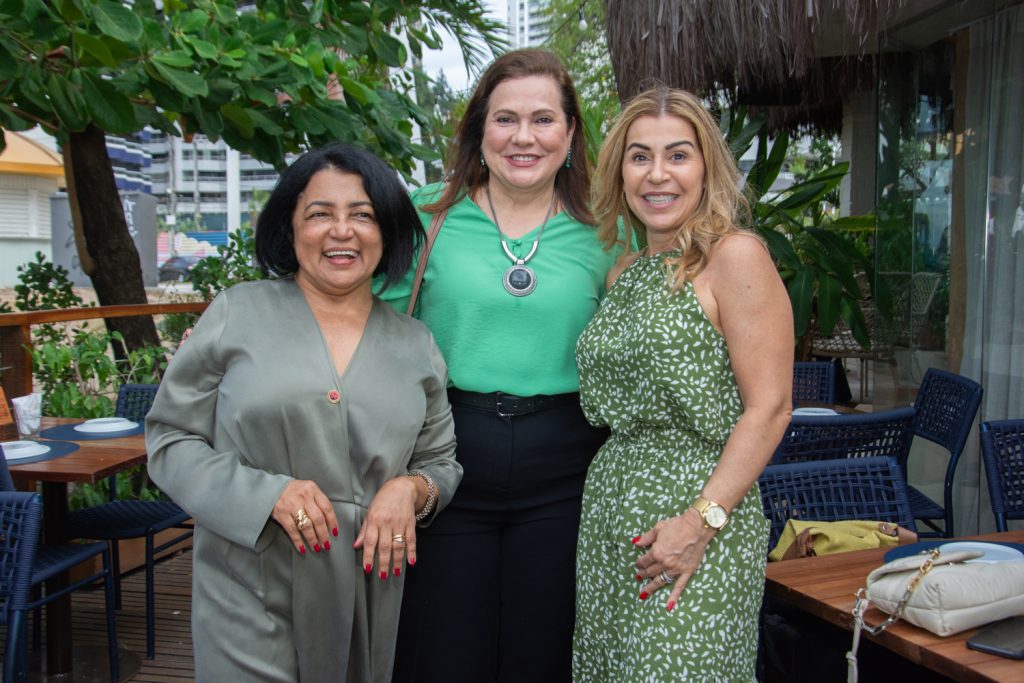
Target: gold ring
x,y
398,538
665,578
302,519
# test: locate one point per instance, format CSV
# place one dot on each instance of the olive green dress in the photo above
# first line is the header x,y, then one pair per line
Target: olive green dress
x,y
654,369
252,401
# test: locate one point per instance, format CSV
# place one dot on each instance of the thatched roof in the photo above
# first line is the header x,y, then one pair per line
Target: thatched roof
x,y
796,57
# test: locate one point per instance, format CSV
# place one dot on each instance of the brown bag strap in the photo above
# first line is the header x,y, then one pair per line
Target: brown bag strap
x,y
435,227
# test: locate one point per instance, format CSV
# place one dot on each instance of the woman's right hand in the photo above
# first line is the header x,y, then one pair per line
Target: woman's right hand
x,y
305,495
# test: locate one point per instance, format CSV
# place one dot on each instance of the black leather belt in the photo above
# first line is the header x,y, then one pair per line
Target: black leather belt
x,y
507,405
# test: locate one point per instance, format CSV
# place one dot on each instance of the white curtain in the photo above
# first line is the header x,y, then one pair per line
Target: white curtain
x,y
994,170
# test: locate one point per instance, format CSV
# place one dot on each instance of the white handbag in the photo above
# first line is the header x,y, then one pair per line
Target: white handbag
x,y
940,592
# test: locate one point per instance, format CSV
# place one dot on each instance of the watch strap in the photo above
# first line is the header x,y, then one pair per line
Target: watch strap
x,y
702,505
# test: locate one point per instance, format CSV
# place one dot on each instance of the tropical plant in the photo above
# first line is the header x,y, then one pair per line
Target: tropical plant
x,y
235,262
74,367
72,363
269,77
818,254
44,286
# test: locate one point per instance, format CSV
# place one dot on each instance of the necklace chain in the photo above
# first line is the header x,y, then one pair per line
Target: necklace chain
x,y
504,243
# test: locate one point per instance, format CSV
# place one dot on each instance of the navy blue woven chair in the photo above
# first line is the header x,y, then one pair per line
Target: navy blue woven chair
x,y
20,515
835,490
946,407
135,400
123,519
859,435
1002,448
814,382
51,560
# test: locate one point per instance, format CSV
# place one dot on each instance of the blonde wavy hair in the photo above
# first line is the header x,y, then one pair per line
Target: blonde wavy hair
x,y
723,209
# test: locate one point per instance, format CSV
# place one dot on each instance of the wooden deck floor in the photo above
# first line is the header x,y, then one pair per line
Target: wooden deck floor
x,y
173,662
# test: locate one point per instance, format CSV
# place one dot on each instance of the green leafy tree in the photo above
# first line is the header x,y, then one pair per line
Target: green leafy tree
x,y
444,107
270,77
577,36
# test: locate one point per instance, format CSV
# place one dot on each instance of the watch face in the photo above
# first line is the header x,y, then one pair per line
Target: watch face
x,y
715,516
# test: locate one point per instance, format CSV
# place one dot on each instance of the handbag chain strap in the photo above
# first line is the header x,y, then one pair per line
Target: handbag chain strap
x,y
863,603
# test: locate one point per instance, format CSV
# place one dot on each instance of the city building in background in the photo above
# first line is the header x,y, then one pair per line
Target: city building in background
x,y
204,184
131,160
527,25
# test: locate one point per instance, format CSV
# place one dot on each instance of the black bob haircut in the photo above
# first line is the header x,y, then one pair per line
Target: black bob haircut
x,y
400,226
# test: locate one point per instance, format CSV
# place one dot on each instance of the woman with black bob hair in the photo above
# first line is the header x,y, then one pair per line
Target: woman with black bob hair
x,y
303,412
399,224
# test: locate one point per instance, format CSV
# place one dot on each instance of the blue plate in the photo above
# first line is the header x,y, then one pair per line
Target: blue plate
x,y
924,546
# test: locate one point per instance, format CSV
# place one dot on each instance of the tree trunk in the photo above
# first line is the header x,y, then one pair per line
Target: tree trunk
x,y
117,277
804,346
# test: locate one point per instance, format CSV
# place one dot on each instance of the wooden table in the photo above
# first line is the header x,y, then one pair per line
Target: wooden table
x,y
93,462
825,587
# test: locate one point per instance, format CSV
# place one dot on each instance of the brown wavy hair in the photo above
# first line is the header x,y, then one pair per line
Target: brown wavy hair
x,y
723,208
463,171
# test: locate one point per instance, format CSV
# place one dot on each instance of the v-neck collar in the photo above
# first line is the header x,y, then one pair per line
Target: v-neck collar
x,y
339,377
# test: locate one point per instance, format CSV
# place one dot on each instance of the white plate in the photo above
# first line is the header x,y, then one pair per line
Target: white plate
x,y
15,450
814,411
994,552
106,424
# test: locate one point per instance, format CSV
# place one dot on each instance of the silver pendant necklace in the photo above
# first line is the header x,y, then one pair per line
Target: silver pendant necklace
x,y
519,279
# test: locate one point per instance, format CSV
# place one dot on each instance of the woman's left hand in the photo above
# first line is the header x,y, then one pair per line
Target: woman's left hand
x,y
389,529
675,546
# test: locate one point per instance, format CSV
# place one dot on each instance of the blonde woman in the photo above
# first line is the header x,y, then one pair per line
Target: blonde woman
x,y
689,361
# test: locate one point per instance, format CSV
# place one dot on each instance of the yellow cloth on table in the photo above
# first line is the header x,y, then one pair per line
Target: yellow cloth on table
x,y
834,537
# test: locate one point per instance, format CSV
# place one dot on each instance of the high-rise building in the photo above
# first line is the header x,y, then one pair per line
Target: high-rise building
x,y
167,167
205,179
527,25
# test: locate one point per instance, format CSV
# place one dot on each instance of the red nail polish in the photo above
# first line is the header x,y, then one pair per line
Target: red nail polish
x,y
644,596
335,531
367,568
639,577
327,545
398,571
302,550
671,604
316,547
383,575
636,540
412,561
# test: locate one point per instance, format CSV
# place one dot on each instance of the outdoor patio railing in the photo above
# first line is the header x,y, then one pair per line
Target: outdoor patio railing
x,y
16,337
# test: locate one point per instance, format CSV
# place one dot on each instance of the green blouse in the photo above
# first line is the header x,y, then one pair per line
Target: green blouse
x,y
491,340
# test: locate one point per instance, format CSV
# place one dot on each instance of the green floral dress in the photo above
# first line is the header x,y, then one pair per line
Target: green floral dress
x,y
654,369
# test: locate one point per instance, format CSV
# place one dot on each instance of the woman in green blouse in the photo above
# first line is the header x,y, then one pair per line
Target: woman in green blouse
x,y
515,274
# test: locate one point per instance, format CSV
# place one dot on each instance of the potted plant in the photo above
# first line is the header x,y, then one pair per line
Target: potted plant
x,y
819,256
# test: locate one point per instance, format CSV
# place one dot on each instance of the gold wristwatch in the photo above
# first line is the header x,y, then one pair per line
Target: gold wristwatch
x,y
714,514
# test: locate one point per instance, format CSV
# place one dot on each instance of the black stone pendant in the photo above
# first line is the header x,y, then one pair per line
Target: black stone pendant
x,y
519,280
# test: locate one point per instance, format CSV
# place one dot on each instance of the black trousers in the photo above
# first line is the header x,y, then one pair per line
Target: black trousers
x,y
492,595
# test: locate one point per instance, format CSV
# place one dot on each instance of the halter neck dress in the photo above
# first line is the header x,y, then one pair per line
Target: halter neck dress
x,y
654,369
